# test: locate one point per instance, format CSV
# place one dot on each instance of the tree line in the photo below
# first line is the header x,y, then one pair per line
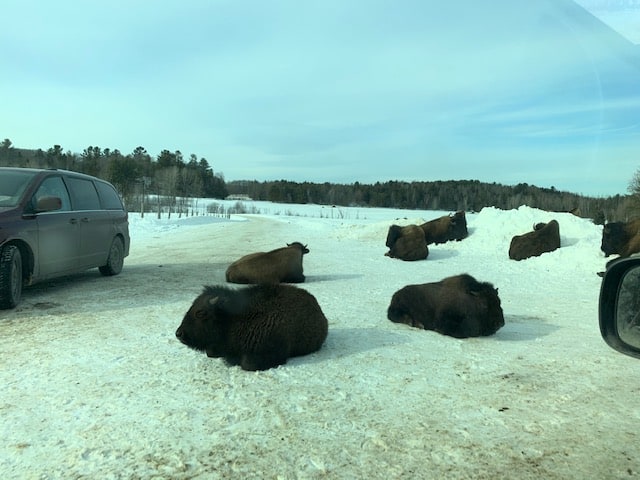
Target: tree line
x,y
452,195
137,175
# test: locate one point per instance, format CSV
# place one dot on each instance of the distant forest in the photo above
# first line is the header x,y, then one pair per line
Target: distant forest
x,y
169,175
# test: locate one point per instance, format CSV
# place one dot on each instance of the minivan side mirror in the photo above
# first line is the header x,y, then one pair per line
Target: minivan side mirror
x,y
619,306
48,204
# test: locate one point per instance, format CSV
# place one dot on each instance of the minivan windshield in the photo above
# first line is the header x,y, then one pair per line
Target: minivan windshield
x,y
12,186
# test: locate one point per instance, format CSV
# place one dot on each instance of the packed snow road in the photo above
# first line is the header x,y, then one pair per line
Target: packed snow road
x,y
95,385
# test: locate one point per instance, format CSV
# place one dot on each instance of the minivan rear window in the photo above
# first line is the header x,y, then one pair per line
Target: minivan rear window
x,y
109,197
83,194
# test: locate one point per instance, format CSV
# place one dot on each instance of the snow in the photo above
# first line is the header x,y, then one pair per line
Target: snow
x,y
95,384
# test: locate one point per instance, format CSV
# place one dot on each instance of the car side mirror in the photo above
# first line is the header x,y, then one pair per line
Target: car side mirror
x,y
48,204
619,308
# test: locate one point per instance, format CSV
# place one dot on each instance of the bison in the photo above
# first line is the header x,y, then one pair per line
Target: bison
x,y
279,265
406,243
257,327
621,238
446,228
545,237
457,306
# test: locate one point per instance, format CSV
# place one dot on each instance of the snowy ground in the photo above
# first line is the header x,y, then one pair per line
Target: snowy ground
x,y
95,385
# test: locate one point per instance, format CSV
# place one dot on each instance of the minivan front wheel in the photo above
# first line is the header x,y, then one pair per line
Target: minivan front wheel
x,y
10,276
116,258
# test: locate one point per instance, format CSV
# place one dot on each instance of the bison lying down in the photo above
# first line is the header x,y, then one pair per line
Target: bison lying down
x,y
545,237
446,228
410,242
406,243
457,306
258,327
280,265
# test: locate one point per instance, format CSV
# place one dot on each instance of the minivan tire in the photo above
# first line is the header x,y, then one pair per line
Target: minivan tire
x,y
10,276
116,258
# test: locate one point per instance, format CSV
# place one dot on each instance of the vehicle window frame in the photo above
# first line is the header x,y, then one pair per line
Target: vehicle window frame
x,y
109,198
61,192
77,202
20,188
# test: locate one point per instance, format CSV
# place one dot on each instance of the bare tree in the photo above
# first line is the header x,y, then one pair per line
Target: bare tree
x,y
634,199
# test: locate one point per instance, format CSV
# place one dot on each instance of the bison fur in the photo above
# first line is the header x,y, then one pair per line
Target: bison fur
x,y
446,228
457,306
622,238
545,237
257,327
406,243
282,265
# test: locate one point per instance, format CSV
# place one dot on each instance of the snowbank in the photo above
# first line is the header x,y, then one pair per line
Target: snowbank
x,y
95,385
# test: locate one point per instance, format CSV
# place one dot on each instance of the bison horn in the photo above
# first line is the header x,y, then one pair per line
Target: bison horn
x,y
214,300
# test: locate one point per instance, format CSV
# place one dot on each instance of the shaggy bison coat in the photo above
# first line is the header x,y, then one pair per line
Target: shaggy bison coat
x,y
621,238
545,237
406,243
279,265
257,327
446,228
411,241
457,306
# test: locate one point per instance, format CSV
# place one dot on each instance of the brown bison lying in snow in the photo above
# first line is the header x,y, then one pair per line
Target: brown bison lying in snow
x,y
622,238
279,265
257,327
406,243
545,237
410,243
446,228
457,306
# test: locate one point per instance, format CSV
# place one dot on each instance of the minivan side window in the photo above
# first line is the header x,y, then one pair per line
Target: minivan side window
x,y
53,187
108,196
83,194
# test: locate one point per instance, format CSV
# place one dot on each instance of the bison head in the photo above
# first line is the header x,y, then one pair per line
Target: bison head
x,y
478,312
488,296
205,324
303,248
614,237
458,227
395,232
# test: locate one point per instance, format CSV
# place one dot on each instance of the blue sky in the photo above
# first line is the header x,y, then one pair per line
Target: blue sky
x,y
331,90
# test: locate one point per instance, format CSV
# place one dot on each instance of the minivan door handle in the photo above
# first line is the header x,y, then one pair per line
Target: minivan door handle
x,y
73,221
85,220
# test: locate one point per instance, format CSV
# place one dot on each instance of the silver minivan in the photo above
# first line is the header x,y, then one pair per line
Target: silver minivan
x,y
54,223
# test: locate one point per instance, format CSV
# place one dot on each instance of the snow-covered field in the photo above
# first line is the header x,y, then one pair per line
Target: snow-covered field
x,y
95,384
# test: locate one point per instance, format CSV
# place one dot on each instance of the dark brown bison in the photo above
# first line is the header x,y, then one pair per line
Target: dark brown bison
x,y
457,306
279,265
545,237
257,327
621,238
446,228
406,243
